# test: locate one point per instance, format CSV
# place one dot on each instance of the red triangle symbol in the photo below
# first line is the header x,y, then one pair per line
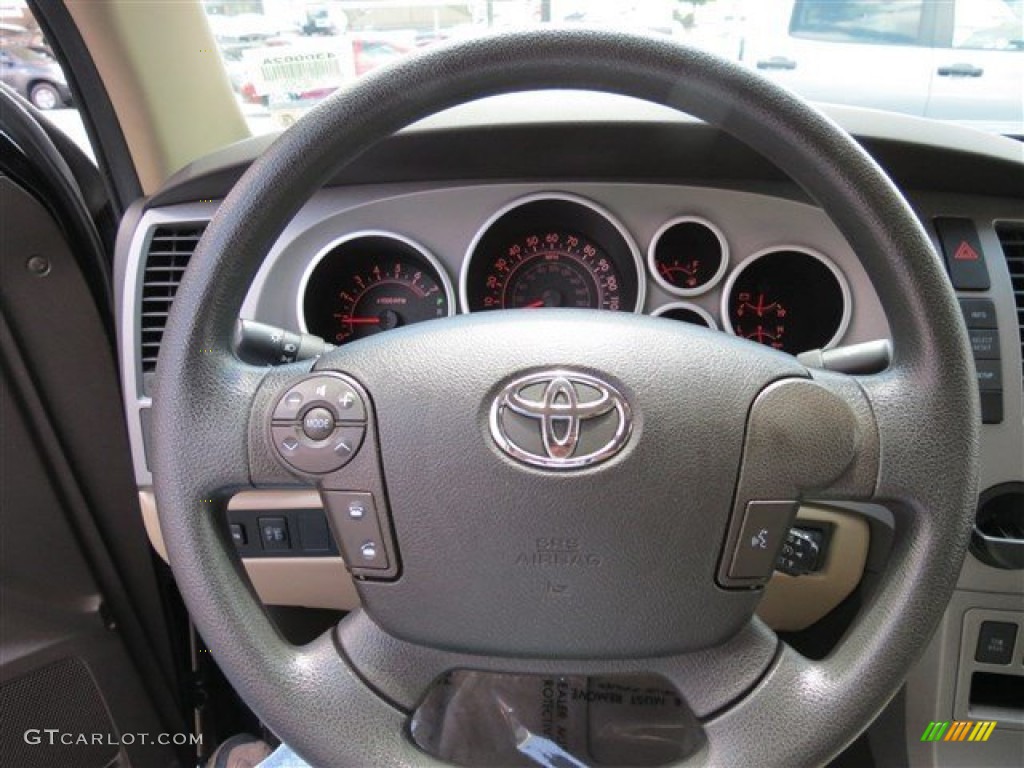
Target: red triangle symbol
x,y
964,252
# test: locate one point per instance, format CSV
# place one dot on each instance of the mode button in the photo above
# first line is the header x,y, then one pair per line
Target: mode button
x,y
318,423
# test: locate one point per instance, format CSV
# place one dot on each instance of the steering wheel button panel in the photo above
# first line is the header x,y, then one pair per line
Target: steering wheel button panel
x,y
317,457
359,529
331,392
764,529
318,423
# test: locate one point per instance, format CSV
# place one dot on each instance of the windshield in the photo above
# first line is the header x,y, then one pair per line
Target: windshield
x,y
956,60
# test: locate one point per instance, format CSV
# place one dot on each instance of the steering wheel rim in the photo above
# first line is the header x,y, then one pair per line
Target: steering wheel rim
x,y
340,700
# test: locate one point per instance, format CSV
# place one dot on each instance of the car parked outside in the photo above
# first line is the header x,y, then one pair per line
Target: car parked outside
x,y
35,74
956,60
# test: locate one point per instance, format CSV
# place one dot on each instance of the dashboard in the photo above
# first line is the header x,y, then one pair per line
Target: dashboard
x,y
560,248
612,205
771,270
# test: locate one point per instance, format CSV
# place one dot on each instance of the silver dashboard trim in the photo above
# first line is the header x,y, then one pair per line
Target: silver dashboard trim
x,y
708,317
128,325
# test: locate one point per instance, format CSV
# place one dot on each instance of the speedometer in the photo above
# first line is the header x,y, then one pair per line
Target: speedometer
x,y
552,251
553,269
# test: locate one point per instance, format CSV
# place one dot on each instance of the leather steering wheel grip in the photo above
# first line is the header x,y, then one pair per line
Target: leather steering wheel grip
x,y
925,405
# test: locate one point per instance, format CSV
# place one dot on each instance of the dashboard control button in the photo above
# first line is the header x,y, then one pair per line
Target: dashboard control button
x,y
321,391
359,528
979,313
764,527
313,532
318,423
238,535
990,375
800,552
996,640
984,343
274,533
992,407
345,442
320,456
290,405
965,260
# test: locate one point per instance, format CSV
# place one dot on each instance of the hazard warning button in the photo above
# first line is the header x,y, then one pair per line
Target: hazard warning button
x,y
961,247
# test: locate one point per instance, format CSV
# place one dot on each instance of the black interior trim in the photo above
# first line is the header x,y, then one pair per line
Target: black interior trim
x,y
659,152
36,163
57,360
100,119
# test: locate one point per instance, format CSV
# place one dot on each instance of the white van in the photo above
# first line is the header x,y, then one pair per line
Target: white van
x,y
956,60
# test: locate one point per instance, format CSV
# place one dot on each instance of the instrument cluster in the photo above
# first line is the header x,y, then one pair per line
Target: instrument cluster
x,y
560,250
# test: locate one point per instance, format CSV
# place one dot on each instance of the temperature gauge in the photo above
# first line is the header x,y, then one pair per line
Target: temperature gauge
x,y
688,255
758,318
791,299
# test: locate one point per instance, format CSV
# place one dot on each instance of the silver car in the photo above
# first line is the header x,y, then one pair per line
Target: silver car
x,y
960,61
34,74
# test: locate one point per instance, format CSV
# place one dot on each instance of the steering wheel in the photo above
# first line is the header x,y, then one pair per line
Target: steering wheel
x,y
688,440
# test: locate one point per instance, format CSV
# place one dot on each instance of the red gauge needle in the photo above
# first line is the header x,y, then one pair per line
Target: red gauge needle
x,y
361,320
534,304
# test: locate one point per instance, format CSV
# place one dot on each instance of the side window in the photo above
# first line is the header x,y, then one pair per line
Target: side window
x,y
27,65
995,25
879,22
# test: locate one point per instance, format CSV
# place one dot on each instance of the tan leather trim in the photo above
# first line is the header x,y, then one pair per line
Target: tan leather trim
x,y
161,69
794,603
313,582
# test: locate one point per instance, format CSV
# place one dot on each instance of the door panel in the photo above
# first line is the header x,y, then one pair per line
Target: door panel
x,y
70,630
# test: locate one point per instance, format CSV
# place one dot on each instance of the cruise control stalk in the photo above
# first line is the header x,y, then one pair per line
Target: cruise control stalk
x,y
864,358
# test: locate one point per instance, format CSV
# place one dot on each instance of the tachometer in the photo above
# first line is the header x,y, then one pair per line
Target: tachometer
x,y
792,299
372,282
552,251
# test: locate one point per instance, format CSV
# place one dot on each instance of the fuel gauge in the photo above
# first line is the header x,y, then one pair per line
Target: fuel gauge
x,y
688,256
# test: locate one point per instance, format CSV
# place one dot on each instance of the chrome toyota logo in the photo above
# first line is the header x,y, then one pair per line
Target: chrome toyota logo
x,y
560,420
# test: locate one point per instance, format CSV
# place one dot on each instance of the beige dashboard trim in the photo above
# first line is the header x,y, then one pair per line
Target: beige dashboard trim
x,y
160,66
312,582
794,603
789,603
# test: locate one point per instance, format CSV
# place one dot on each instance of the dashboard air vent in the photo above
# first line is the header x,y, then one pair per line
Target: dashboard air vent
x,y
1011,236
170,249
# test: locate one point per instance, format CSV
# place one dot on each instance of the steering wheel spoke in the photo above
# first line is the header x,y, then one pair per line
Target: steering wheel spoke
x,y
708,680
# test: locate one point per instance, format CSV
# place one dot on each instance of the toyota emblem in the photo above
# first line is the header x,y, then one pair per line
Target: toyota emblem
x,y
560,420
